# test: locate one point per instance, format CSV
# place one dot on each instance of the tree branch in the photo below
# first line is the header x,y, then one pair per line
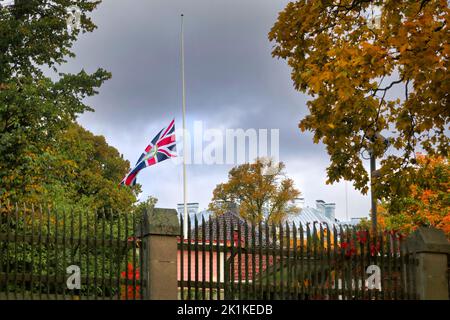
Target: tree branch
x,y
391,85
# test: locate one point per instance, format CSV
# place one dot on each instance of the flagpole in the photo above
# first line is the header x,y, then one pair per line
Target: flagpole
x,y
185,215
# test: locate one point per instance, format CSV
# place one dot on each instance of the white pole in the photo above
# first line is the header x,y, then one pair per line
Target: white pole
x,y
346,201
184,131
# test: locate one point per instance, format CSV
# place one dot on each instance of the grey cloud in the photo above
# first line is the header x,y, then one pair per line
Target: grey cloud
x,y
231,79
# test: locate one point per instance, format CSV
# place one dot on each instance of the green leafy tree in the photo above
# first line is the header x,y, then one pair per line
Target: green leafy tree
x,y
350,64
146,205
83,172
47,158
35,108
261,190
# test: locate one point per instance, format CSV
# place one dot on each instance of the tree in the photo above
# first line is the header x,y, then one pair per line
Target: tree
x,y
366,79
82,171
426,204
146,205
261,190
78,176
35,108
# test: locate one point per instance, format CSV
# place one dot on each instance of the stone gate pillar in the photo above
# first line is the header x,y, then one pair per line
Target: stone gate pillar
x,y
431,249
160,254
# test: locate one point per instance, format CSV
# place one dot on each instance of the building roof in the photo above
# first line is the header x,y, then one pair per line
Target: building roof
x,y
310,216
233,223
306,216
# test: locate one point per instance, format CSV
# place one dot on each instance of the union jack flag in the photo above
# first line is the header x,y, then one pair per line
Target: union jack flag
x,y
162,147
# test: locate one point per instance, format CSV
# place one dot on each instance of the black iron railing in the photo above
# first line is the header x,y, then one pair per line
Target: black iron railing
x,y
43,250
230,258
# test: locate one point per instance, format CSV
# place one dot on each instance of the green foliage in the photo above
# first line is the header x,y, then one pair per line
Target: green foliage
x,y
47,159
35,109
45,242
84,173
364,224
146,205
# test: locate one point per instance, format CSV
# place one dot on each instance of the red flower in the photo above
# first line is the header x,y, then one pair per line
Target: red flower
x,y
374,249
130,274
361,236
349,248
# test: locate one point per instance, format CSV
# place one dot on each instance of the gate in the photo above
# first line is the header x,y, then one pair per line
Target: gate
x,y
50,254
227,257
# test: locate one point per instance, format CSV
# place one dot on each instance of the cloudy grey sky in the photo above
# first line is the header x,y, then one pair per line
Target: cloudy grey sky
x,y
232,82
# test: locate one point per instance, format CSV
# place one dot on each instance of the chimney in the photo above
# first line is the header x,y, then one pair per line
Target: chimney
x,y
192,208
320,206
299,202
330,210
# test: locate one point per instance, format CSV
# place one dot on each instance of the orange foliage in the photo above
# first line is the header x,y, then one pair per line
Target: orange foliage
x,y
428,202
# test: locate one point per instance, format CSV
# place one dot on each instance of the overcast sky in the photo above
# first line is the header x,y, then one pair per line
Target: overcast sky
x,y
232,82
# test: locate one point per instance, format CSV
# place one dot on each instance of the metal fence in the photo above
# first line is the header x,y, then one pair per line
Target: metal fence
x,y
50,254
230,258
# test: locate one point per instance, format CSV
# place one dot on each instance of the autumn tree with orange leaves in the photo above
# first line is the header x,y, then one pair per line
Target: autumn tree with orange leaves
x,y
368,76
261,190
427,202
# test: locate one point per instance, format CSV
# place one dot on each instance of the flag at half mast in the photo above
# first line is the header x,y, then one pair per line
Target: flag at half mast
x,y
162,147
